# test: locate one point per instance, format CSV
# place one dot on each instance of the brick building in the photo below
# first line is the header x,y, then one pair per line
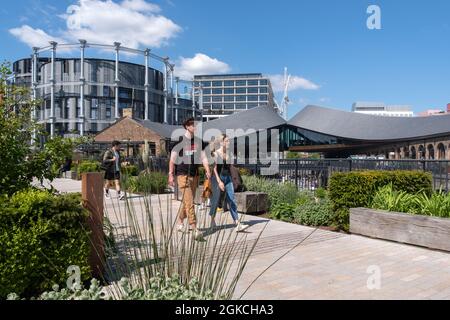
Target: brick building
x,y
133,133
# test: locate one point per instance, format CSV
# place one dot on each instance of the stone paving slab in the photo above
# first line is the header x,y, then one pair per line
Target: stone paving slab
x,y
327,265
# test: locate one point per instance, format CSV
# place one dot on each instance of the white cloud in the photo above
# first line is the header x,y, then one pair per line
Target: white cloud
x,y
200,64
134,23
33,37
296,83
141,5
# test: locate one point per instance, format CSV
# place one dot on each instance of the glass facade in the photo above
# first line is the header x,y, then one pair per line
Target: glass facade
x,y
100,92
233,93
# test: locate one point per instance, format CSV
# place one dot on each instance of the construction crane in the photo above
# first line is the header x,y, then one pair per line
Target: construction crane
x,y
283,107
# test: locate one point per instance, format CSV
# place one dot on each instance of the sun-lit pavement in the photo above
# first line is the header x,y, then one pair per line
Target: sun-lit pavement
x,y
323,264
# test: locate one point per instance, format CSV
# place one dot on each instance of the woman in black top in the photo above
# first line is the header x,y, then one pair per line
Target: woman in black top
x,y
222,180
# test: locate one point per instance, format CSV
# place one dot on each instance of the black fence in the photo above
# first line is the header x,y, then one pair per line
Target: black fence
x,y
314,174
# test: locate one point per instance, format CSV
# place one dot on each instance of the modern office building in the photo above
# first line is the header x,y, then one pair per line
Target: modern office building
x,y
222,95
381,109
84,95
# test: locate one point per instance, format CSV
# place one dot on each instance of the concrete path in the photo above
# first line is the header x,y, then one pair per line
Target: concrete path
x,y
308,263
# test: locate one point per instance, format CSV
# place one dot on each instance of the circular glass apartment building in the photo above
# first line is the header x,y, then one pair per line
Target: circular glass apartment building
x,y
86,95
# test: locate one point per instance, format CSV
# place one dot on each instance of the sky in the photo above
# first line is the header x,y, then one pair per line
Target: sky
x,y
333,57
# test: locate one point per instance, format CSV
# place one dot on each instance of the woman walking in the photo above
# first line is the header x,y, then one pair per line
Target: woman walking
x,y
222,181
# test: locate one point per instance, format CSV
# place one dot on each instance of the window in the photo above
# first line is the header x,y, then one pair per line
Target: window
x,y
241,90
107,92
229,106
241,106
241,98
206,84
217,106
66,66
263,82
252,82
229,98
229,83
206,99
252,98
263,98
252,90
217,83
228,91
94,127
217,91
207,106
196,83
252,105
263,90
125,93
109,104
217,99
241,83
206,91
94,109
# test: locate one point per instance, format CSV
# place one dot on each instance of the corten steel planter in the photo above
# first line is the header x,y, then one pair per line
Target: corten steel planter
x,y
424,231
92,196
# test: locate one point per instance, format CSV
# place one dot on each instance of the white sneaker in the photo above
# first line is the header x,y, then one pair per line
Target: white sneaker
x,y
198,235
181,228
240,227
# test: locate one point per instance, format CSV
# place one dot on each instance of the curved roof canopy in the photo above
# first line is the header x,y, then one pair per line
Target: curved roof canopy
x,y
259,118
356,126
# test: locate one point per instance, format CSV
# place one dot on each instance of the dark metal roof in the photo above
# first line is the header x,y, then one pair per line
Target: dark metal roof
x,y
358,126
259,118
163,130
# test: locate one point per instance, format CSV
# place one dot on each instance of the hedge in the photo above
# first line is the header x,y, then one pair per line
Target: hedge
x,y
41,235
357,189
88,166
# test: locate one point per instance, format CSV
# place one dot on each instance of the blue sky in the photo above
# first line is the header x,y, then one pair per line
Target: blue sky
x,y
325,44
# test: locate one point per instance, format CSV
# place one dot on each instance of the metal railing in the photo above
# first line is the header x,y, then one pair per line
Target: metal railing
x,y
314,174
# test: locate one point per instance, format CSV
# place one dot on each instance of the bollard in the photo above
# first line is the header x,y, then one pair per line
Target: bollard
x,y
92,195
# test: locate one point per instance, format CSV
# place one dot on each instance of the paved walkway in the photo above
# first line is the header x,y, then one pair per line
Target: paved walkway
x,y
326,265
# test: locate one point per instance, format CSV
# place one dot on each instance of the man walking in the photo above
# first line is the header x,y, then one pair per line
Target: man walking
x,y
111,164
186,155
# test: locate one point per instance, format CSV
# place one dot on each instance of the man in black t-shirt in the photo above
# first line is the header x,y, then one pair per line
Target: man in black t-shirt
x,y
185,160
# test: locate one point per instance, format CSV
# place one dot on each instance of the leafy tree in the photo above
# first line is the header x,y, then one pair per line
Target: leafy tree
x,y
20,159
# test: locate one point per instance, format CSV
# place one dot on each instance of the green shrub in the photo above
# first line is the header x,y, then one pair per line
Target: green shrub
x,y
315,214
130,170
357,189
436,205
244,172
88,166
41,235
159,288
283,212
389,199
146,182
278,193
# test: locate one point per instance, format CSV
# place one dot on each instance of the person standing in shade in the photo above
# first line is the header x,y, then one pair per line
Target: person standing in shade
x,y
184,163
111,163
222,181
